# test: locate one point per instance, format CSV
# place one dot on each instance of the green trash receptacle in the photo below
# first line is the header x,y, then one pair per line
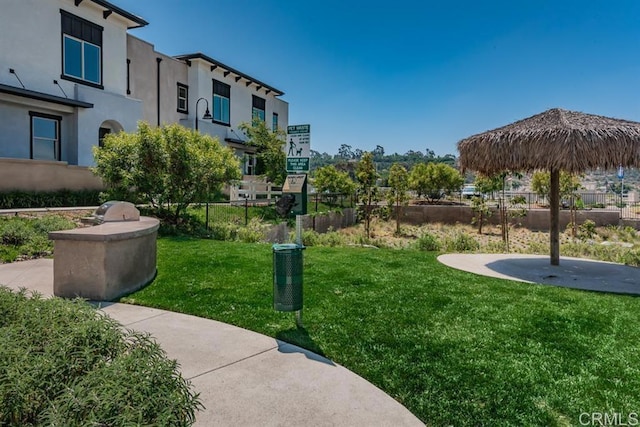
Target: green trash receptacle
x,y
287,277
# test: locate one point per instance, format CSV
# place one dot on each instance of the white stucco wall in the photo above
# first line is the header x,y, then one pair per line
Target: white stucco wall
x,y
31,44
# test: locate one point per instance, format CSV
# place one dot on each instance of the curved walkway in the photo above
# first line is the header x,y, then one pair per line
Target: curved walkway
x,y
244,378
577,273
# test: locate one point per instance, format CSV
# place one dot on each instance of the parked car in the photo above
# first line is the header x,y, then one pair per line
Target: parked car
x,y
469,191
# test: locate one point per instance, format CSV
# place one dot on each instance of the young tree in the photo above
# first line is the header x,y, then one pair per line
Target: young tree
x,y
270,155
168,167
330,180
484,185
366,175
434,180
399,183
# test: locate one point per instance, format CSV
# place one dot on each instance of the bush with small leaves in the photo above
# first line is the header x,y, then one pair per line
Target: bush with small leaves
x,y
61,363
429,242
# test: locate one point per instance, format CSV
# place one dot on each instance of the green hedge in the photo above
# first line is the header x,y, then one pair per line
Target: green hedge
x,y
63,363
56,199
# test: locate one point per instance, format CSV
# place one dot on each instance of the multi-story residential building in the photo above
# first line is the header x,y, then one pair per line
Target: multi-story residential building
x,y
174,89
70,73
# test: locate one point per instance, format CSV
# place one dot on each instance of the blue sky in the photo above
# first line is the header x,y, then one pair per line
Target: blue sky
x,y
411,74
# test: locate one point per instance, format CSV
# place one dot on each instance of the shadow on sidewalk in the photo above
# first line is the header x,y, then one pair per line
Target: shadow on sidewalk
x,y
297,340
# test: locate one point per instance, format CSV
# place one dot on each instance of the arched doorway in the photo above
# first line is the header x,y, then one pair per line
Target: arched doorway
x,y
107,127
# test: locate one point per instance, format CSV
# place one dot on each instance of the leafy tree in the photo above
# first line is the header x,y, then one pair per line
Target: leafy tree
x,y
345,152
330,180
366,176
399,183
541,184
168,167
270,156
484,185
434,180
378,152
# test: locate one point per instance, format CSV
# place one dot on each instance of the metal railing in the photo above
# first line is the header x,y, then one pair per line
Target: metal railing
x,y
241,211
628,205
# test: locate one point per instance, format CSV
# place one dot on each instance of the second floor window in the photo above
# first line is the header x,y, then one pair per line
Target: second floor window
x,y
183,98
257,111
81,50
274,122
221,103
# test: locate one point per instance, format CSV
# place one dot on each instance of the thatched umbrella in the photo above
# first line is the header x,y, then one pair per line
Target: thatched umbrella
x,y
554,140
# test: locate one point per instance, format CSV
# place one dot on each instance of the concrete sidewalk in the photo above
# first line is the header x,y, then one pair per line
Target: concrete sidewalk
x,y
244,378
577,273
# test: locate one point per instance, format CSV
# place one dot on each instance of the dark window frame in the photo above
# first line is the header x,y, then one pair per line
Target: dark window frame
x,y
258,103
223,90
184,110
86,31
275,120
58,143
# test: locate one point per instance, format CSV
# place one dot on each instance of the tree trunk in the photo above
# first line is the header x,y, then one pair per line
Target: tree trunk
x,y
554,217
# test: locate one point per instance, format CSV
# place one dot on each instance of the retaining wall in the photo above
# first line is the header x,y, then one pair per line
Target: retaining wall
x,y
40,175
535,219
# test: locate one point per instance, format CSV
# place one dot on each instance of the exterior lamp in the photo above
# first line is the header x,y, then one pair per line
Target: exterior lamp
x,y
207,114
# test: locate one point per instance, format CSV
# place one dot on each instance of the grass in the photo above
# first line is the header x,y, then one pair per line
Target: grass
x,y
453,347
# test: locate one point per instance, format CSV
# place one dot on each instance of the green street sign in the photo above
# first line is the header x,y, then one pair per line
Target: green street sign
x,y
297,164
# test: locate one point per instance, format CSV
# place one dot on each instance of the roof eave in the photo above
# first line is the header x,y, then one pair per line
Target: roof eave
x,y
216,64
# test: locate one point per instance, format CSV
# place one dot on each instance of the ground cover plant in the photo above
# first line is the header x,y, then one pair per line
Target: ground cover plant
x,y
25,238
453,347
63,364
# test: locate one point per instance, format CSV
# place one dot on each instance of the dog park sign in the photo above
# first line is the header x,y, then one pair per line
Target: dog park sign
x,y
298,148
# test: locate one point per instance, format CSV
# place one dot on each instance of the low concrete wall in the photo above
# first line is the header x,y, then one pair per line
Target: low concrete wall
x,y
535,219
104,262
40,175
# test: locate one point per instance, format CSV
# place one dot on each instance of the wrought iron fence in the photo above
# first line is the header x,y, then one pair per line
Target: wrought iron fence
x,y
627,205
243,210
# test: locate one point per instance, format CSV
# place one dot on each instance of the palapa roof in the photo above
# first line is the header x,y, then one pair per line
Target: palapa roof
x,y
555,139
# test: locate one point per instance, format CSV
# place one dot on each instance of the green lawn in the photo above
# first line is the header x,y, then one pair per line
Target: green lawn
x,y
453,347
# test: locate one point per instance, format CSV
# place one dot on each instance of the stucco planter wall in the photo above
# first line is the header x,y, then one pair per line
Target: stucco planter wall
x,y
104,262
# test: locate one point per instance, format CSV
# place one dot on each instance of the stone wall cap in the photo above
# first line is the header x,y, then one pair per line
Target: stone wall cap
x,y
110,231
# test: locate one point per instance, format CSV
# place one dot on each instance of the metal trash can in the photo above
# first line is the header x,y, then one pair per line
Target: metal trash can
x,y
287,277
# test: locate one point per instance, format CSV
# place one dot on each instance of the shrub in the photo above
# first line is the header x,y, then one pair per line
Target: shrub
x,y
168,167
15,232
50,223
461,242
429,242
587,230
253,232
26,199
63,364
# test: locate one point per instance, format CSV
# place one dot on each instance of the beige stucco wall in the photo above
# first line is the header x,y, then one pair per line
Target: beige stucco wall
x,y
535,219
39,175
143,83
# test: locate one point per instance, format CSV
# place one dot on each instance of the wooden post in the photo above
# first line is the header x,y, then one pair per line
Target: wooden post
x,y
554,217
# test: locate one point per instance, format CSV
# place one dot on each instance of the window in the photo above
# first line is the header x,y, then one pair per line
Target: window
x,y
45,137
81,50
221,96
257,111
274,122
102,132
183,98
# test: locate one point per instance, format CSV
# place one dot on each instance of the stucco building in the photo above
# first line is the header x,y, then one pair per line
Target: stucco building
x,y
71,73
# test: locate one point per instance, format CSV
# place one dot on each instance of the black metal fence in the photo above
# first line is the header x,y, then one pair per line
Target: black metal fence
x,y
626,204
242,211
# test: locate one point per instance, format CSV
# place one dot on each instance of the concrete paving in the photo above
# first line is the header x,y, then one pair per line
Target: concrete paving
x,y
244,378
574,273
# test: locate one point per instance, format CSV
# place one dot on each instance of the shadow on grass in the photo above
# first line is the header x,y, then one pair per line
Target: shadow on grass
x,y
297,340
